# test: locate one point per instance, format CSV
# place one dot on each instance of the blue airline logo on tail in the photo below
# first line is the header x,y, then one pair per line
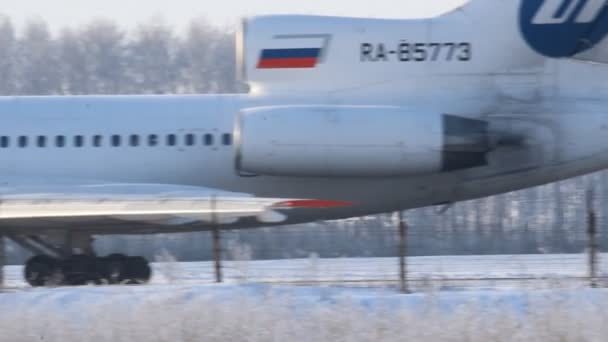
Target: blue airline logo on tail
x,y
563,28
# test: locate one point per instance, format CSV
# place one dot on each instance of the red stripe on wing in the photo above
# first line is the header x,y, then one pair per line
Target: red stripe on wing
x,y
318,204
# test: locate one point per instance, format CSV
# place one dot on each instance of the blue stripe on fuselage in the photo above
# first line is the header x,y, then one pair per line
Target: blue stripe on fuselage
x,y
290,53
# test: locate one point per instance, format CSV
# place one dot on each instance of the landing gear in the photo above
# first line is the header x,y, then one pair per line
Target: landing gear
x,y
42,270
77,270
121,269
70,260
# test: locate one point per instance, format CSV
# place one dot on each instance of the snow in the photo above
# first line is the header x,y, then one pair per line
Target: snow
x,y
253,312
488,271
181,304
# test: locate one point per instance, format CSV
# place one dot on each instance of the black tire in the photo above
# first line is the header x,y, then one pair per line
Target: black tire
x,y
80,270
112,268
138,270
41,270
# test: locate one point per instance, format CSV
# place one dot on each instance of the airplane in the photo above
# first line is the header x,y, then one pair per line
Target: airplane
x,y
344,117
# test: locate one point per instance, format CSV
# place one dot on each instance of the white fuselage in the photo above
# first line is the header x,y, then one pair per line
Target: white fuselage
x,y
203,164
575,143
556,110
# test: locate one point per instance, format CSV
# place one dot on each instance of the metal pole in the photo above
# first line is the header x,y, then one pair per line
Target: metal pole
x,y
217,249
403,253
2,260
592,233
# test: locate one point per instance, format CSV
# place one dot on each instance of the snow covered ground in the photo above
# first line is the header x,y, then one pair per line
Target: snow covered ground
x,y
467,272
256,304
254,312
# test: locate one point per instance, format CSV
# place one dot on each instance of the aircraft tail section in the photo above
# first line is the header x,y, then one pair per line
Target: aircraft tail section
x,y
319,54
552,28
566,28
316,54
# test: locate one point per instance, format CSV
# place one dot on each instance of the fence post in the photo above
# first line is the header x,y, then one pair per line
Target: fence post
x,y
216,238
402,253
2,260
592,235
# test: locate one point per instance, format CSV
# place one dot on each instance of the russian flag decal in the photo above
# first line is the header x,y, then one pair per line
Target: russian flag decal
x,y
289,58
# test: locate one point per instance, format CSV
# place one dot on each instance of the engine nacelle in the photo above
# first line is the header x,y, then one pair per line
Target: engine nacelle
x,y
356,141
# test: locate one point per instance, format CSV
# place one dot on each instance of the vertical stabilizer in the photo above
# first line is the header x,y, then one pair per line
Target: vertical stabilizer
x,y
552,28
563,28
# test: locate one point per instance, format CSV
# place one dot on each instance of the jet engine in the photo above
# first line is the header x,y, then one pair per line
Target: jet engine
x,y
356,141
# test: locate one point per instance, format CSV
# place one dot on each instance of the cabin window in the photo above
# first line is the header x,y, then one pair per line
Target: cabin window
x,y
152,140
208,138
79,141
134,140
116,140
97,140
227,139
171,140
189,139
4,141
41,141
22,141
60,141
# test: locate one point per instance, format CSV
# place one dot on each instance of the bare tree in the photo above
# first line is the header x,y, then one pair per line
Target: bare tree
x,y
223,60
151,58
37,55
204,58
75,71
8,46
105,48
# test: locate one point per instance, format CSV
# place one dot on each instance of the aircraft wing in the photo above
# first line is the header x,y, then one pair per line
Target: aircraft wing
x,y
147,203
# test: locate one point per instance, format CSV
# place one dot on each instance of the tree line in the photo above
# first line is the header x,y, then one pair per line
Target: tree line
x,y
102,58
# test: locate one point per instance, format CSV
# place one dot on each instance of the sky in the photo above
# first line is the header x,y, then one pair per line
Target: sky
x,y
127,13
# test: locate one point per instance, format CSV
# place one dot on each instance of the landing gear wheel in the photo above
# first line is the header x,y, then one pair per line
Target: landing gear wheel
x,y
42,270
113,268
77,270
80,270
137,270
